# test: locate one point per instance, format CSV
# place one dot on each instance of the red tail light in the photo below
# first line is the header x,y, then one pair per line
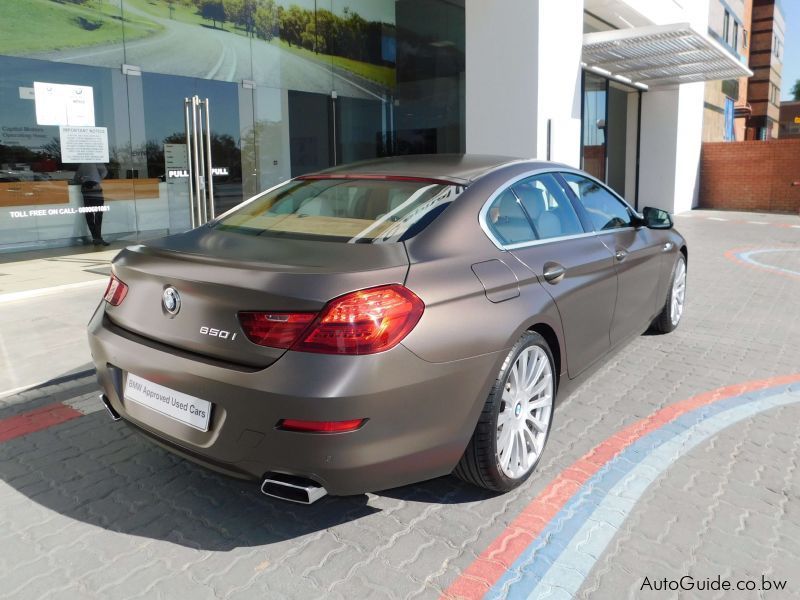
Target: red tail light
x,y
320,426
364,322
277,330
115,292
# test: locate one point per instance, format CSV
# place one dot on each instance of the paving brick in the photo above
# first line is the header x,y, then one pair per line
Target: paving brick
x,y
88,509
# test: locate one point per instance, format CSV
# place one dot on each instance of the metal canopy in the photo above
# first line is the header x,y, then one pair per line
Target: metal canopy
x,y
659,55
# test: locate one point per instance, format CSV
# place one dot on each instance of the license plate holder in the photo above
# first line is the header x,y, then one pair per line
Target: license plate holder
x,y
184,408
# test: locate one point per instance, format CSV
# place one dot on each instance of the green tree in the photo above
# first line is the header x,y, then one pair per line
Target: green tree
x,y
293,23
212,10
796,90
241,12
266,20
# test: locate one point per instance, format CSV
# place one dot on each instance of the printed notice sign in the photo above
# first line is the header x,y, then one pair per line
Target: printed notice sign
x,y
84,144
61,104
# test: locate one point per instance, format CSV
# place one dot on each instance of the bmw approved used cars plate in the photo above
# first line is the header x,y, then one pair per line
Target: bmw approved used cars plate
x,y
187,409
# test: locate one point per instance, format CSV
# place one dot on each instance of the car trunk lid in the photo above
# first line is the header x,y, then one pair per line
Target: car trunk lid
x,y
219,274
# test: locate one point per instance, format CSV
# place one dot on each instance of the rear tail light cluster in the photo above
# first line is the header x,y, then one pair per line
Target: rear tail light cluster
x,y
277,330
363,322
115,292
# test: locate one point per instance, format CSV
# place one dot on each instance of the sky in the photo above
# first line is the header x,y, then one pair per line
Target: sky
x,y
791,54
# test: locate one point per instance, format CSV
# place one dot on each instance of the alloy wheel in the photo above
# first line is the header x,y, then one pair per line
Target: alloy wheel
x,y
524,418
678,292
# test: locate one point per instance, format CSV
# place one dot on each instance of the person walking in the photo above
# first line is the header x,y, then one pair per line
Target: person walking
x,y
90,176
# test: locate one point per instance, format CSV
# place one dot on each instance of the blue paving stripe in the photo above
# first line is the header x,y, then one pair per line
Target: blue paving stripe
x,y
747,256
544,551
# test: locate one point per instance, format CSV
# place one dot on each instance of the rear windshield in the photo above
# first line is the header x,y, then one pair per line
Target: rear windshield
x,y
355,211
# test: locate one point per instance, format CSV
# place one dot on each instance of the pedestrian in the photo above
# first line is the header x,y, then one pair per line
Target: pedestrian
x,y
90,176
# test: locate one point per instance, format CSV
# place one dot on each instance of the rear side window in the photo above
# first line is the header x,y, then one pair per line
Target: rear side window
x,y
507,220
536,208
548,207
355,211
605,210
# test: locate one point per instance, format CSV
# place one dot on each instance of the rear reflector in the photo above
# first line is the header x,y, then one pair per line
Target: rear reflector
x,y
364,322
115,292
320,426
274,329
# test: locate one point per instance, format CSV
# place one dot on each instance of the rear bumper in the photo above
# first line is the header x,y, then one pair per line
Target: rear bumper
x,y
420,414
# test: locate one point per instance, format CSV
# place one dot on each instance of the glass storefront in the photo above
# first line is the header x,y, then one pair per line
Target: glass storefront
x,y
610,133
93,130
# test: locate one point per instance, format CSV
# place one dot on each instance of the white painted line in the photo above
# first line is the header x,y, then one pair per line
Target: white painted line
x,y
19,389
361,87
56,289
758,222
716,219
795,226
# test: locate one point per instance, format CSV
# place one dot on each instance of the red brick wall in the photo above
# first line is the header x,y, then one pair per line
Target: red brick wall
x,y
751,176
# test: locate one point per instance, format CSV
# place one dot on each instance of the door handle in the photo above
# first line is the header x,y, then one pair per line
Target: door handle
x,y
553,272
668,246
620,255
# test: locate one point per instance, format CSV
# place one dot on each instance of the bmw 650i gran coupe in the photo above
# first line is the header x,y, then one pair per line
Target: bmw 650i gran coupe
x,y
383,323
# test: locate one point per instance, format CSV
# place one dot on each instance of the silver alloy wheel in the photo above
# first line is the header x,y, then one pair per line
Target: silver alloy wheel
x,y
678,292
524,417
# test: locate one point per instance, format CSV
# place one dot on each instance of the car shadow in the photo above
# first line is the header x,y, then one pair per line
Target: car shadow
x,y
105,474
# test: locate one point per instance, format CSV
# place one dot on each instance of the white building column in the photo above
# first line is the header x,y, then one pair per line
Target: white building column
x,y
522,71
672,124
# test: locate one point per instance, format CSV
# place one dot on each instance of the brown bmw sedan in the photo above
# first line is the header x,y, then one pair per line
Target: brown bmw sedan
x,y
383,323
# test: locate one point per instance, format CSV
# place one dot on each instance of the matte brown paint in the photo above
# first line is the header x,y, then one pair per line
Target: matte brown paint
x,y
422,397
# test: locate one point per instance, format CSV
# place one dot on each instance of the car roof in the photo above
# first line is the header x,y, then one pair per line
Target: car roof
x,y
459,168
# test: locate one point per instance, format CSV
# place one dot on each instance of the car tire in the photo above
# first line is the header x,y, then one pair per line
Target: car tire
x,y
670,316
515,422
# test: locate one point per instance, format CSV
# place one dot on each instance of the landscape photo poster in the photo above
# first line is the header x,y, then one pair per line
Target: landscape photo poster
x,y
347,46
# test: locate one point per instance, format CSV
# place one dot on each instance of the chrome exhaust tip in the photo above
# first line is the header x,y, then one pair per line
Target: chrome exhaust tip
x,y
110,409
292,488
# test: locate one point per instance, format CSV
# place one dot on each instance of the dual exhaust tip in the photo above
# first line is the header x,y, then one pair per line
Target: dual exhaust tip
x,y
276,485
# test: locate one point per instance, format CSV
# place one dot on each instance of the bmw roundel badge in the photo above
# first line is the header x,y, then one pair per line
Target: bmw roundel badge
x,y
171,300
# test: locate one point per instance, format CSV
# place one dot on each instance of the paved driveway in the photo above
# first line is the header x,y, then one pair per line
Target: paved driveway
x,y
678,458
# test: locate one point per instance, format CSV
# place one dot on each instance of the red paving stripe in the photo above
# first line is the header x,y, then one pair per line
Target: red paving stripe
x,y
498,557
36,420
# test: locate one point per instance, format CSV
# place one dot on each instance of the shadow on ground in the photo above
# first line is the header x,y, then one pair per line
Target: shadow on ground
x,y
104,474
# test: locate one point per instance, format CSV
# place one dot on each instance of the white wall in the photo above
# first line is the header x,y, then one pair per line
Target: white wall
x,y
658,148
523,69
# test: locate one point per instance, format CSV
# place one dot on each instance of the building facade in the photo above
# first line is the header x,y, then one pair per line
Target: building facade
x,y
766,62
729,24
180,109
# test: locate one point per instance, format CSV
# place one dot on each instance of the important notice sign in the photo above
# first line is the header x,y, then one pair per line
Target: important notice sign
x,y
84,144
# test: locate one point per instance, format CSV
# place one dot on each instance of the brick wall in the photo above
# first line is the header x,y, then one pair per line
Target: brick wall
x,y
751,176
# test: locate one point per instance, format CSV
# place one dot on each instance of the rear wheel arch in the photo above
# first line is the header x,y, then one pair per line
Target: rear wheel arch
x,y
552,339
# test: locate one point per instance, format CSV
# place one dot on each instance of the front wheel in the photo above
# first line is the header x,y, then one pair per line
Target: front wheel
x,y
672,312
515,422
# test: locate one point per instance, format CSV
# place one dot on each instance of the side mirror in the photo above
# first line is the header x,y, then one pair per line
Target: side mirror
x,y
655,218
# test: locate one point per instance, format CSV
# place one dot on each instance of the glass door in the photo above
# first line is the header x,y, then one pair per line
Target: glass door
x,y
169,160
595,116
